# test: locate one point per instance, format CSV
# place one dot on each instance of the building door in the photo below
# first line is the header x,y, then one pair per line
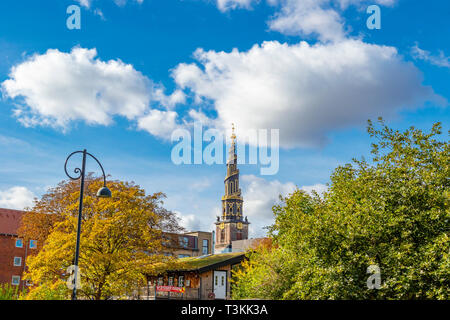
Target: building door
x,y
220,284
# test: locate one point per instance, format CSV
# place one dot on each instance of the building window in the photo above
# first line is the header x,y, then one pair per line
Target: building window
x,y
160,281
184,242
19,243
17,261
15,280
181,281
205,245
181,255
33,244
170,283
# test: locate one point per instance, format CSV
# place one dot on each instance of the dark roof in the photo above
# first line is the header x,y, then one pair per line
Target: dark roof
x,y
209,262
10,221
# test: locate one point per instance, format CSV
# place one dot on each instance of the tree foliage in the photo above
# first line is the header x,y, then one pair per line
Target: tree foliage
x,y
10,292
121,239
392,212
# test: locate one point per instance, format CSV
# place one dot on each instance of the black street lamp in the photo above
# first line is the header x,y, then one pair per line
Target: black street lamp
x,y
103,192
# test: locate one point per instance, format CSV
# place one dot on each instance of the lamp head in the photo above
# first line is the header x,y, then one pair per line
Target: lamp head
x,y
104,192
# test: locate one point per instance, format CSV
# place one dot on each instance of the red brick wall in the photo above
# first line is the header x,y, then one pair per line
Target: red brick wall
x,y
8,251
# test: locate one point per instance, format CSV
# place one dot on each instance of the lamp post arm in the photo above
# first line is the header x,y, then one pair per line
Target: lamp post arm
x,y
78,171
101,167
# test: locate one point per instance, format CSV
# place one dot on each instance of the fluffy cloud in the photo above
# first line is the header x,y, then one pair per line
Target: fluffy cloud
x,y
191,222
259,197
308,17
159,123
321,18
60,87
16,198
303,90
56,88
319,188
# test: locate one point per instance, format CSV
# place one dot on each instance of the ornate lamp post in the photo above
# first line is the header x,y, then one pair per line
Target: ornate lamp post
x,y
103,192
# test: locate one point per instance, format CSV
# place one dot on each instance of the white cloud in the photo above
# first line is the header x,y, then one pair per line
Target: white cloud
x,y
56,88
319,188
85,3
440,60
304,90
259,197
225,5
120,3
321,18
201,184
16,198
60,87
308,17
159,123
191,222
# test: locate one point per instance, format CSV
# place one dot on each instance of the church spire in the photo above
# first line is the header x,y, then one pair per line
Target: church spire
x,y
231,226
232,156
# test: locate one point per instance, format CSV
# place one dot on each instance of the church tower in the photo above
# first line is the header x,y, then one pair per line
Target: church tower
x,y
231,226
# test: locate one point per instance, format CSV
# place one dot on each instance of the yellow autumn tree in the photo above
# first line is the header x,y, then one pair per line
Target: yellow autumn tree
x,y
121,240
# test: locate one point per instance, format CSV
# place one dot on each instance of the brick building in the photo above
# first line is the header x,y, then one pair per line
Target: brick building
x,y
189,244
13,250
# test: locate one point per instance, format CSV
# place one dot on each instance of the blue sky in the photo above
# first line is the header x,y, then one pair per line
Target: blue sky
x,y
311,69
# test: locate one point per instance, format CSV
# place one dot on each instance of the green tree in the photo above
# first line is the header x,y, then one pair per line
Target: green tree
x,y
121,240
392,212
10,292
